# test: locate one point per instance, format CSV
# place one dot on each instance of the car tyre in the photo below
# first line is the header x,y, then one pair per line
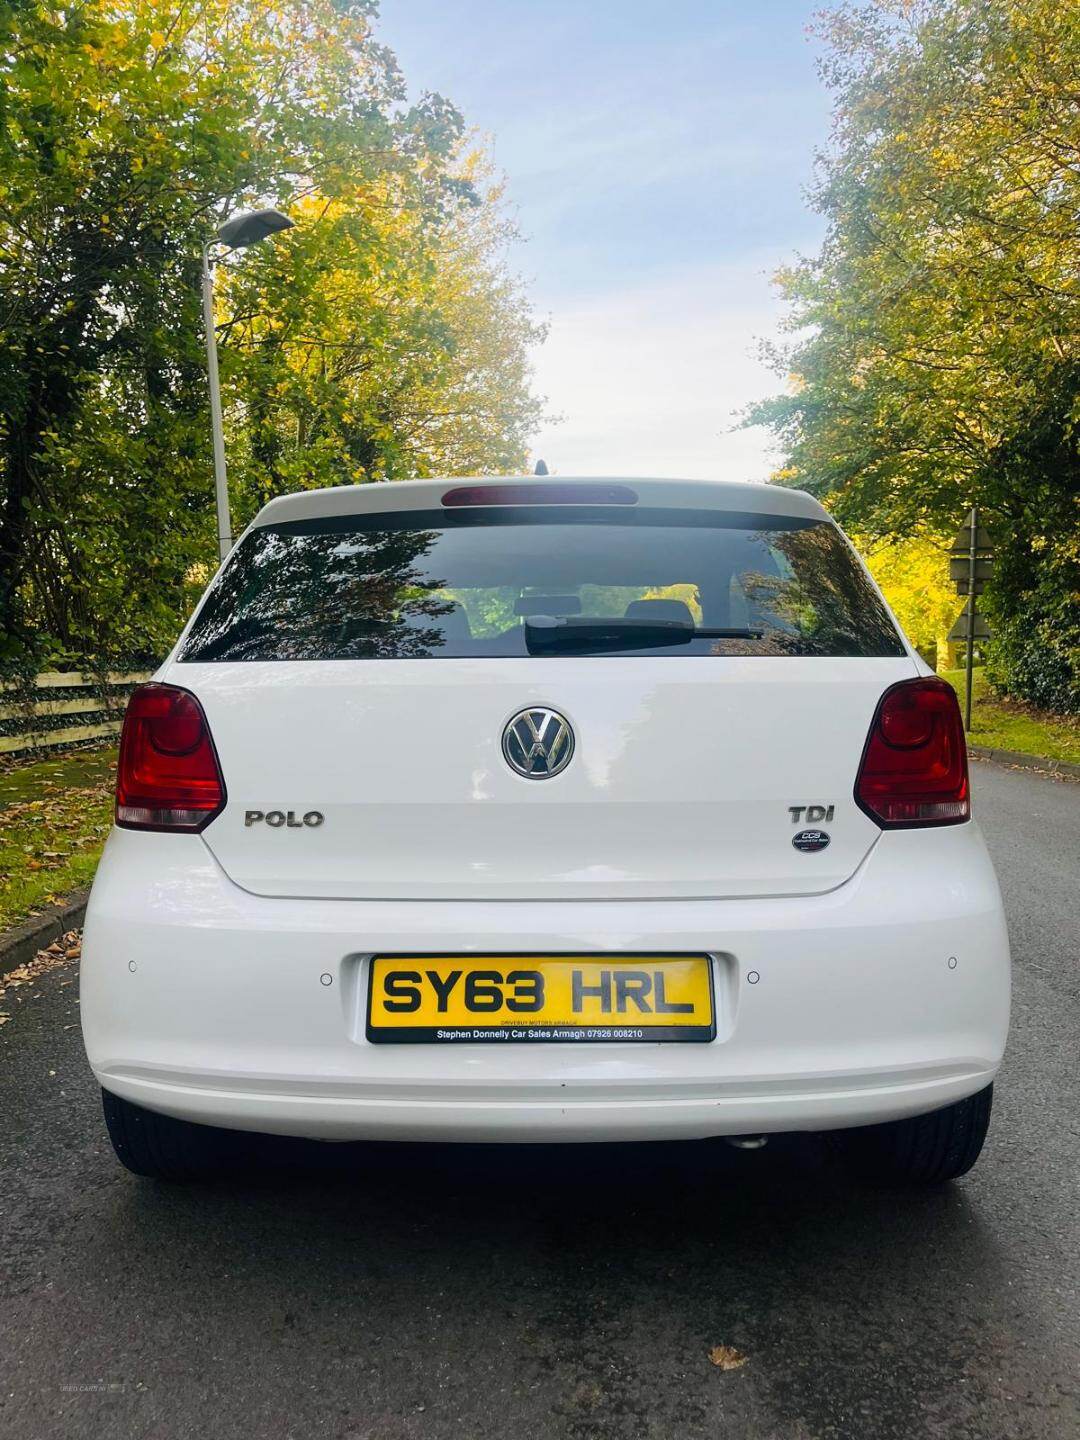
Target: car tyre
x,y
924,1149
161,1147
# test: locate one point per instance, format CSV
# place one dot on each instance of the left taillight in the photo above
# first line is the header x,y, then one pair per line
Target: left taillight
x,y
168,776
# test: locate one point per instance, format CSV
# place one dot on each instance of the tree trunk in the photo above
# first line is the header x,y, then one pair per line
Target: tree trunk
x,y
20,448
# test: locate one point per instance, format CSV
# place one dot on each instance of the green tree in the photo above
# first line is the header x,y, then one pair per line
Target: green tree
x,y
384,341
128,129
937,362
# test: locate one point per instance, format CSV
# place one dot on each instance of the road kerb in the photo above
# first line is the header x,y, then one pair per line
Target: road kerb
x,y
22,942
1027,762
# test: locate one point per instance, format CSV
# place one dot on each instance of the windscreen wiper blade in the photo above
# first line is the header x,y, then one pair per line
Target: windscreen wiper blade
x,y
567,634
726,632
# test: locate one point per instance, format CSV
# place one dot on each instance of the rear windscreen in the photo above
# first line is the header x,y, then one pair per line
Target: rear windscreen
x,y
490,581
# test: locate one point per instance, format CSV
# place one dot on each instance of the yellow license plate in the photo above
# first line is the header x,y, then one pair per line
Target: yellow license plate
x,y
436,999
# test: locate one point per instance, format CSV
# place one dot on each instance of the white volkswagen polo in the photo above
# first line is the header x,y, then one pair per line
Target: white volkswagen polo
x,y
525,810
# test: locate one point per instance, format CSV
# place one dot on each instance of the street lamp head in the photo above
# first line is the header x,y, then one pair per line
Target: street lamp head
x,y
251,227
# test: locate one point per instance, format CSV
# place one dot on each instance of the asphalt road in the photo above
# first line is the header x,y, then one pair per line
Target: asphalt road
x,y
397,1294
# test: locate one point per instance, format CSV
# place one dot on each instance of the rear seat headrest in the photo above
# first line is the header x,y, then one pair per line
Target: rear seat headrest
x,y
660,610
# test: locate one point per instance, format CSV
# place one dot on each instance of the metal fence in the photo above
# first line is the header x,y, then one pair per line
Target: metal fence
x,y
62,708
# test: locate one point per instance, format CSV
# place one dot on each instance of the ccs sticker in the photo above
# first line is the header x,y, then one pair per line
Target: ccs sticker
x,y
810,841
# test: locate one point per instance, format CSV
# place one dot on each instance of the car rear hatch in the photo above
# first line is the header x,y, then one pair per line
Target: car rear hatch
x,y
359,673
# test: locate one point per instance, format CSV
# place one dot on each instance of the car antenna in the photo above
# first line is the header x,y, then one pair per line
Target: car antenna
x,y
541,468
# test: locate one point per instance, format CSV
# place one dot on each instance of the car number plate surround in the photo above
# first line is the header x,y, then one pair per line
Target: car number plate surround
x,y
530,999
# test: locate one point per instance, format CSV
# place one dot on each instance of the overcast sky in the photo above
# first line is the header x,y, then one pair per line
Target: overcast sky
x,y
657,157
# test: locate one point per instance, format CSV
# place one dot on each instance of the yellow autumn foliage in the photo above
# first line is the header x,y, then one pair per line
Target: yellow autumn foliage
x,y
914,578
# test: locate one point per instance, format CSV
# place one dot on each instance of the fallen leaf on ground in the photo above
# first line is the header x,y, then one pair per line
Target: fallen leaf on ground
x,y
58,954
726,1357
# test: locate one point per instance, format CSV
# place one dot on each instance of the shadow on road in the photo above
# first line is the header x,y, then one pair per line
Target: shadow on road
x,y
594,1280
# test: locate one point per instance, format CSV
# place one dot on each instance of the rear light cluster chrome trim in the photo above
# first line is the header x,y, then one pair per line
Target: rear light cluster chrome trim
x,y
914,767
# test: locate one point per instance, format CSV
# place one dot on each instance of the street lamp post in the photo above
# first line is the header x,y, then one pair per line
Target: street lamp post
x,y
236,234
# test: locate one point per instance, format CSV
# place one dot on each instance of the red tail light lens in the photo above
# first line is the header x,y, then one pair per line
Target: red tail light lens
x,y
914,768
168,777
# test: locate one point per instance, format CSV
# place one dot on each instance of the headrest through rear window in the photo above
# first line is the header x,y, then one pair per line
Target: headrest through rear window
x,y
660,610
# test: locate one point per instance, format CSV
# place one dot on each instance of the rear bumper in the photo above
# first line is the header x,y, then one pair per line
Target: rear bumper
x,y
887,997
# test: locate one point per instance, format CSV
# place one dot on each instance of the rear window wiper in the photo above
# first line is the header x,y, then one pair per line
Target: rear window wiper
x,y
563,634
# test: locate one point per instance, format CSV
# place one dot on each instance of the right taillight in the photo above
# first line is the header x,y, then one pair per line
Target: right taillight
x,y
914,768
168,776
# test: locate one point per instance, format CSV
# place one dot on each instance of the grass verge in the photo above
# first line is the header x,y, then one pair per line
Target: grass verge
x,y
1002,724
54,817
